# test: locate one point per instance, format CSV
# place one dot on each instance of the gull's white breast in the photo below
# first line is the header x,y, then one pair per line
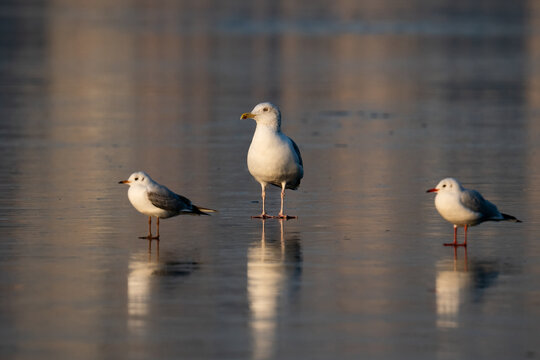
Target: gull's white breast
x,y
138,197
271,157
452,210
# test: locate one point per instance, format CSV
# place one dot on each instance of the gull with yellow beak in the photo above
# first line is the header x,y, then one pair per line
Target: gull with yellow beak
x,y
153,199
273,158
464,207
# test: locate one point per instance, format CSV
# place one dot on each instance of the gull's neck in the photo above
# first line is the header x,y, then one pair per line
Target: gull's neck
x,y
273,127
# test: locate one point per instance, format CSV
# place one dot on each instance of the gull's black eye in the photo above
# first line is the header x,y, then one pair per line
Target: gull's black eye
x,y
265,109
136,178
442,186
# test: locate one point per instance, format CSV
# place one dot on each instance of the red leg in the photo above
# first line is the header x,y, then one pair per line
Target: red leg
x,y
455,238
149,236
455,243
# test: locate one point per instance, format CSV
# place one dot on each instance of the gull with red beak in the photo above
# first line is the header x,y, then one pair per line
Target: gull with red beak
x,y
464,207
273,158
153,199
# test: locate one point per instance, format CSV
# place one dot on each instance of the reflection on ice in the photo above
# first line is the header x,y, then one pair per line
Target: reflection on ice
x,y
272,265
145,270
452,284
139,280
458,283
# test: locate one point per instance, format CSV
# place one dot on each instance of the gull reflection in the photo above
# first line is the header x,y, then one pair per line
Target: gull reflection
x,y
146,271
460,282
273,274
141,269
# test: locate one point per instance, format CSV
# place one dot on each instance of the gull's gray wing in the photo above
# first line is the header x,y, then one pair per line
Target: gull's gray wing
x,y
165,199
297,151
474,201
294,183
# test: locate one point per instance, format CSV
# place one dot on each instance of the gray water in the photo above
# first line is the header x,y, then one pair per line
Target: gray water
x,y
384,98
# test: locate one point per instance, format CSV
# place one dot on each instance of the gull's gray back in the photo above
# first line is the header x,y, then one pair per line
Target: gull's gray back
x,y
165,199
474,201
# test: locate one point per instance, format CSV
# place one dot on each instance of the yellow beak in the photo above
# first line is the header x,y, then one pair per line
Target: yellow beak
x,y
124,182
247,116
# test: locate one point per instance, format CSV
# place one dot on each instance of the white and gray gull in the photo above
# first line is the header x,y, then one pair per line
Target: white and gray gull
x,y
464,207
153,199
273,158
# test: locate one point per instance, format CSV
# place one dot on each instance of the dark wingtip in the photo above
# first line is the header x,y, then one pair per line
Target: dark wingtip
x,y
511,218
203,211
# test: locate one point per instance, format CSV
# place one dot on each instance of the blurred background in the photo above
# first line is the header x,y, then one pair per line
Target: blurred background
x,y
384,99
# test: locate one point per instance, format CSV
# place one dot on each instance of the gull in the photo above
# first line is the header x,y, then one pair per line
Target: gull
x,y
464,207
273,158
153,199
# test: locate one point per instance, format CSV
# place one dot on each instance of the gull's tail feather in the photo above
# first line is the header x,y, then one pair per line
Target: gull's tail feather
x,y
202,211
510,218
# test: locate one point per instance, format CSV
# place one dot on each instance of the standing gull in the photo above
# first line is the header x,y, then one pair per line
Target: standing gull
x,y
273,157
153,199
464,207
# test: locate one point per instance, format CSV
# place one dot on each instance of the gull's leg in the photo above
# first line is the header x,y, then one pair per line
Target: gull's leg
x,y
455,238
281,214
263,196
282,199
455,243
263,215
149,236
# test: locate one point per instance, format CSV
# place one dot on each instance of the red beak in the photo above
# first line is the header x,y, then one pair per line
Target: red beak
x,y
432,190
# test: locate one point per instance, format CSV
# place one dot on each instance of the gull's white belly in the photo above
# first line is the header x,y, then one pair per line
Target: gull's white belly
x,y
272,164
138,198
453,211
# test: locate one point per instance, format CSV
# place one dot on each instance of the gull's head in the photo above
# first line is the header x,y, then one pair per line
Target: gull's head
x,y
265,114
448,185
137,178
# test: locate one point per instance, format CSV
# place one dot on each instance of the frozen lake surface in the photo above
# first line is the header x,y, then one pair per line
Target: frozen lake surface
x,y
384,98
